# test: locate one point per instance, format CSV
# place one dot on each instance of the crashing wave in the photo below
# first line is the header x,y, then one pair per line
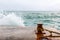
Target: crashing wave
x,y
11,19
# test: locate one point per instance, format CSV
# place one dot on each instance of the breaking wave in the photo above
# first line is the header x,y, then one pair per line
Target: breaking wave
x,y
11,19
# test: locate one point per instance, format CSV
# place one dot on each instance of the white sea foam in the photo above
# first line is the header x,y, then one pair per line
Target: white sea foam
x,y
11,19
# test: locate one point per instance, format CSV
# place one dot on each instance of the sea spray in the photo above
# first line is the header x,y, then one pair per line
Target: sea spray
x,y
11,19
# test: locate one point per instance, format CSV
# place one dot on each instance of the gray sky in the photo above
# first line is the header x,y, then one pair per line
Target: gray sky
x,y
36,5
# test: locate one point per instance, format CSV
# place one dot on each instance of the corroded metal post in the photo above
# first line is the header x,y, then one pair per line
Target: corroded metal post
x,y
39,31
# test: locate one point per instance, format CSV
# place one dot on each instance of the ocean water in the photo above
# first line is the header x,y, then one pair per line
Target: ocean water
x,y
30,18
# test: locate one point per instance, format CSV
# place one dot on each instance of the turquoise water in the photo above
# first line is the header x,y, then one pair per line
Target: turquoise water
x,y
32,18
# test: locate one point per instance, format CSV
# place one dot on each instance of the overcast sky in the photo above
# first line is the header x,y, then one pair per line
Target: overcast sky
x,y
35,5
